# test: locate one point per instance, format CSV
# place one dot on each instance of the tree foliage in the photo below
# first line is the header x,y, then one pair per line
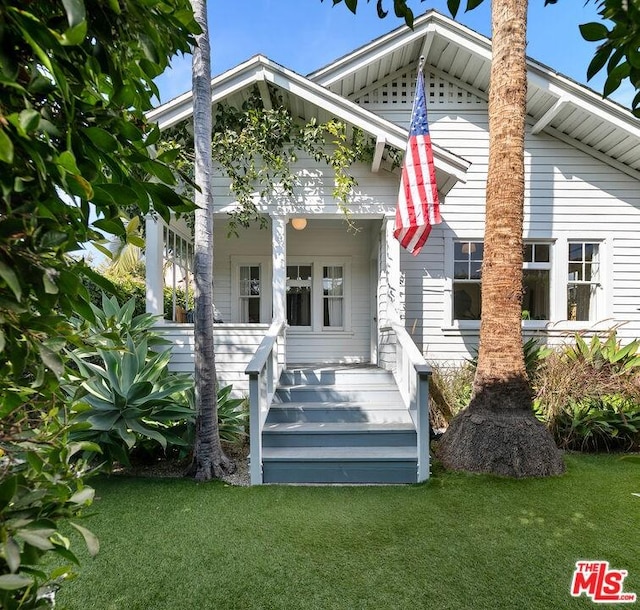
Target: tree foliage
x,y
256,148
76,77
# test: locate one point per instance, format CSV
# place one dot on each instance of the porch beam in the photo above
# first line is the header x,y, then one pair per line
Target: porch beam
x,y
381,142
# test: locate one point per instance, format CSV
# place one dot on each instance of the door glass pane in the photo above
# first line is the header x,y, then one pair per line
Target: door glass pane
x,y
299,295
333,290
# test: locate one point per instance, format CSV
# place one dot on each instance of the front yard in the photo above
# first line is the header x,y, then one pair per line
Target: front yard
x,y
458,542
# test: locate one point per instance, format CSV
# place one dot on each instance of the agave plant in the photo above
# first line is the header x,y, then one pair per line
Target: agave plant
x,y
130,396
114,323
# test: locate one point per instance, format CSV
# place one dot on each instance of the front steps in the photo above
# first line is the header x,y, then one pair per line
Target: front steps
x,y
338,424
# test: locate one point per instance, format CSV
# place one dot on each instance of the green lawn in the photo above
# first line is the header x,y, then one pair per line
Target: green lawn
x,y
458,541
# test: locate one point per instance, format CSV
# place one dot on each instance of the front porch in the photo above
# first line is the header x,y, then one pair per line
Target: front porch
x,y
353,408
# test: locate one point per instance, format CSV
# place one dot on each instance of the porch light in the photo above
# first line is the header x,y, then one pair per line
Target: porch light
x,y
298,223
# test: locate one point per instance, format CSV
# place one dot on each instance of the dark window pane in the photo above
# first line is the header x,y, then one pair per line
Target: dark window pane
x,y
466,301
528,253
575,252
575,272
542,254
461,271
254,311
477,251
458,248
299,306
475,271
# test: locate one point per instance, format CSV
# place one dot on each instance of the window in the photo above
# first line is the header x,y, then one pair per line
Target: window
x,y
250,291
467,268
251,297
333,296
299,295
583,281
536,281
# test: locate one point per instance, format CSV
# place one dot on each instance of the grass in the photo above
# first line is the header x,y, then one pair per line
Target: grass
x,y
458,542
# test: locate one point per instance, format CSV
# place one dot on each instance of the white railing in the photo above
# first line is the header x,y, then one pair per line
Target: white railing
x,y
264,370
412,374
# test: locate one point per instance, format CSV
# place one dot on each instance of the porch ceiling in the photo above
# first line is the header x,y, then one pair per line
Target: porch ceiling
x,y
555,103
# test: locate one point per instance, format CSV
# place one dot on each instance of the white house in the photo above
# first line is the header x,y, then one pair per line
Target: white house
x,y
336,297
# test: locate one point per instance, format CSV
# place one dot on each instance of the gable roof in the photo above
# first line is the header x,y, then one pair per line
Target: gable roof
x,y
555,103
306,99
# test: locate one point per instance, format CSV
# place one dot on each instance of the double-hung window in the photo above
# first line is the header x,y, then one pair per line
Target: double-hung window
x,y
467,269
583,281
250,293
536,281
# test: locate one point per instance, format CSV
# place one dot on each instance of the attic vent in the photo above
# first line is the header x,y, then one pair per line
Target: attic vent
x,y
401,89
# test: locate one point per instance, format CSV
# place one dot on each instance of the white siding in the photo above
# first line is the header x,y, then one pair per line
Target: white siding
x,y
569,194
235,345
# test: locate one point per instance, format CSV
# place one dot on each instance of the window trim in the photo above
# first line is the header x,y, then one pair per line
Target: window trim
x,y
602,285
266,282
558,282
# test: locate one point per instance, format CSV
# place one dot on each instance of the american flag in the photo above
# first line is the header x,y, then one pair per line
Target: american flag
x,y
418,207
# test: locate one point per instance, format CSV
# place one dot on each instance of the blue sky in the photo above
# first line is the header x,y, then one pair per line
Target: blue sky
x,y
305,35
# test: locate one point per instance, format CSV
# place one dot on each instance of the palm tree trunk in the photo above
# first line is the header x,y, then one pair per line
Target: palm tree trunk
x,y
209,460
499,433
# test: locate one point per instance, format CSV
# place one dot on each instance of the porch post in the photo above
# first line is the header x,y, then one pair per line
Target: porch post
x,y
395,279
279,265
153,264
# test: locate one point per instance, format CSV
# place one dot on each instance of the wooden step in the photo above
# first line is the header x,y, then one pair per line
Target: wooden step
x,y
326,411
349,465
338,434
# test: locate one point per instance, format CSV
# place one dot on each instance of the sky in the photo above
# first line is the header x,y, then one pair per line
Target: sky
x,y
304,35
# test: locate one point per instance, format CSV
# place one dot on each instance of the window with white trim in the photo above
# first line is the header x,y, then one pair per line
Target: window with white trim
x,y
250,294
536,279
583,281
467,269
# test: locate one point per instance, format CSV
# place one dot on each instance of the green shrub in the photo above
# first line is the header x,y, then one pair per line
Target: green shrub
x,y
129,398
123,393
42,487
605,423
233,416
588,394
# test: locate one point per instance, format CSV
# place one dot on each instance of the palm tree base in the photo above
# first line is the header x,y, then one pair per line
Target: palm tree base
x,y
207,468
505,442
